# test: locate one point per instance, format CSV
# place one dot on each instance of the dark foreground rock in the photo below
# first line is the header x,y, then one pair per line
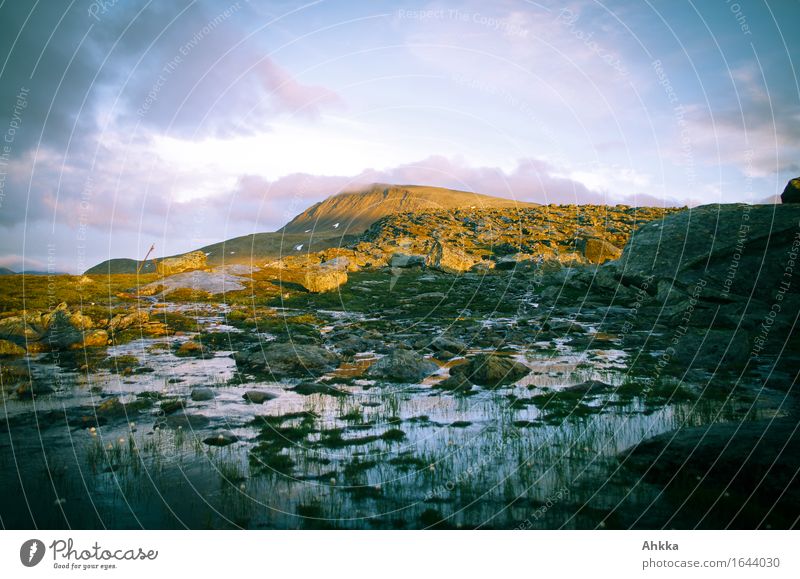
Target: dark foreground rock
x,y
733,474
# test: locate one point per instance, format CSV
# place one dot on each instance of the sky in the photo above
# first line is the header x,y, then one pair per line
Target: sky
x,y
126,123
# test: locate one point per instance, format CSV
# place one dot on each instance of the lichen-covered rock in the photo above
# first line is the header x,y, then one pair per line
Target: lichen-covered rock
x,y
599,251
320,279
8,348
125,321
95,339
451,260
186,262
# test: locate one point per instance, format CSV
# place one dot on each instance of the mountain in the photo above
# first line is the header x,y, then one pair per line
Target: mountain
x,y
354,211
6,271
330,223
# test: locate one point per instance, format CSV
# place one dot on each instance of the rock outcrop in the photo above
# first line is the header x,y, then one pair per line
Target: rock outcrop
x,y
326,276
737,249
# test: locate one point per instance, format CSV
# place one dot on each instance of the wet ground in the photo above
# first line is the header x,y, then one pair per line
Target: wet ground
x,y
131,442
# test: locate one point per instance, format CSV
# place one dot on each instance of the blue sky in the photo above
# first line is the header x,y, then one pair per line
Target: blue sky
x,y
131,122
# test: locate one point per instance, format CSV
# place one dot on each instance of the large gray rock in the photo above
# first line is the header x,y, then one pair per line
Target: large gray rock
x,y
717,249
61,334
287,359
402,366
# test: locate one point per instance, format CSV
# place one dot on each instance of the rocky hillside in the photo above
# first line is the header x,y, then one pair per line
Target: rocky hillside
x,y
476,239
354,211
257,248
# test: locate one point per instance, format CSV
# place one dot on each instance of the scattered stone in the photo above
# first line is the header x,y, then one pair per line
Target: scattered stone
x,y
202,394
309,388
259,396
221,438
590,387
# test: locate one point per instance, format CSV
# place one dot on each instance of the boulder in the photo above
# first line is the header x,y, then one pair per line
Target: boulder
x,y
791,194
451,260
325,277
309,388
351,345
710,349
60,334
446,348
125,321
402,366
455,383
491,370
598,251
725,466
287,359
182,421
186,262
